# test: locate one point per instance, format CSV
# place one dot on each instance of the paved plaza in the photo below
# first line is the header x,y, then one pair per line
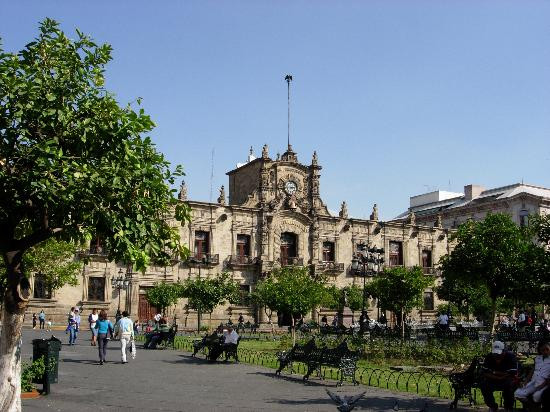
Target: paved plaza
x,y
169,380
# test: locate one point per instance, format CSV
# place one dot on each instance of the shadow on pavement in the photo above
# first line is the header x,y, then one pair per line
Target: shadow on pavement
x,y
290,378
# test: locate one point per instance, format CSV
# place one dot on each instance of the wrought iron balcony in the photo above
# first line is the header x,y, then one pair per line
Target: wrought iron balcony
x,y
204,259
428,270
291,261
94,250
330,267
242,260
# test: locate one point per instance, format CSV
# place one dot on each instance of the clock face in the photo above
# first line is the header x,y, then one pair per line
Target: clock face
x,y
290,187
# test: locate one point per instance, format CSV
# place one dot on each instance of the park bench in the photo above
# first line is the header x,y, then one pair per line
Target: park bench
x,y
464,382
298,353
340,357
205,345
167,338
335,330
315,357
232,351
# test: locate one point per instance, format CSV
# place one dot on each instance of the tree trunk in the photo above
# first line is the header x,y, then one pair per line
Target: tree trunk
x,y
493,315
293,331
16,298
403,323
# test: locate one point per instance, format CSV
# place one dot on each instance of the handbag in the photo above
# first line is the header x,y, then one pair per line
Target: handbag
x,y
133,349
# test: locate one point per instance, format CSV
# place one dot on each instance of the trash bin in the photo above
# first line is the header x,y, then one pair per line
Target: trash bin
x,y
49,349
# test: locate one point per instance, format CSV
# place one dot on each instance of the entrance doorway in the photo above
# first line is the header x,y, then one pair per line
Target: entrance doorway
x,y
146,311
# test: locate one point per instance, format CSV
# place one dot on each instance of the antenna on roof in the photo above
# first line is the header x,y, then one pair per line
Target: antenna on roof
x,y
288,79
211,175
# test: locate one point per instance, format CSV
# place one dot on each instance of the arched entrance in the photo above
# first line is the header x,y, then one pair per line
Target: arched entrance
x,y
289,242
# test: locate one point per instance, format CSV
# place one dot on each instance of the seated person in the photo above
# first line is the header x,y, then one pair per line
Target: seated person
x,y
154,337
215,344
500,369
539,378
231,338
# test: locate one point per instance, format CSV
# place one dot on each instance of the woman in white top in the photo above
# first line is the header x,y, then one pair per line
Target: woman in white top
x,y
92,319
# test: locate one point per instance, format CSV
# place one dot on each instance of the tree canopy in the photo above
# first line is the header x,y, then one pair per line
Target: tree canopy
x,y
163,295
291,289
400,289
497,260
74,163
204,294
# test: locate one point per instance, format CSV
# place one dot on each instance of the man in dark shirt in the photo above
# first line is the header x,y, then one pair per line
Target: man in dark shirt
x,y
500,368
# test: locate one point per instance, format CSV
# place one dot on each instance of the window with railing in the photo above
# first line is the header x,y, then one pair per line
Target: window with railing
x,y
396,253
427,260
243,248
97,246
328,251
202,244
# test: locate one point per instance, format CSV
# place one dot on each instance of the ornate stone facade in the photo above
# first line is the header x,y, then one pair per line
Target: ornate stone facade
x,y
274,217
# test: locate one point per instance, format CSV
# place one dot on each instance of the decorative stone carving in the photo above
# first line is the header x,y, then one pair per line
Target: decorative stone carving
x,y
278,157
374,214
439,221
344,210
314,160
265,153
292,202
182,195
221,198
412,218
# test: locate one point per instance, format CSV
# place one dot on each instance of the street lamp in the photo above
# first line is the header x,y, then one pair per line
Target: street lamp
x,y
120,282
367,262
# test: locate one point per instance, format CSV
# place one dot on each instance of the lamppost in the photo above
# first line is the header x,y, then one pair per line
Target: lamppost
x,y
119,283
367,262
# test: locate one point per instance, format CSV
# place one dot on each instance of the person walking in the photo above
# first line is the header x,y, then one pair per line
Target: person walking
x,y
34,320
42,318
124,330
92,319
104,333
71,326
77,324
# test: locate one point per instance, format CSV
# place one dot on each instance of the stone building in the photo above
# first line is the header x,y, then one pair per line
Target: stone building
x,y
274,216
449,209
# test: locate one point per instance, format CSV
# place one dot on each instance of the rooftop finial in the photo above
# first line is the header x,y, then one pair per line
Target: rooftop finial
x,y
288,79
251,150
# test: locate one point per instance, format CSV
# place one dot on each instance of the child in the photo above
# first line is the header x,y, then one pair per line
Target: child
x,y
34,317
49,325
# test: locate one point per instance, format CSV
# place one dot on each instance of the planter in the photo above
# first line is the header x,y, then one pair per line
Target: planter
x,y
30,395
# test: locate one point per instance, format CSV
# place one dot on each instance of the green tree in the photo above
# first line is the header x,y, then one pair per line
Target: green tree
x,y
54,260
264,296
497,259
163,295
73,162
293,290
354,298
205,294
400,290
338,298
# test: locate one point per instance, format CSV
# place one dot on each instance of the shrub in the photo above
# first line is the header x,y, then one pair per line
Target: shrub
x,y
30,372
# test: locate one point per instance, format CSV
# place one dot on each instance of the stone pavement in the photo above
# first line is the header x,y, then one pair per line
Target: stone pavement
x,y
168,380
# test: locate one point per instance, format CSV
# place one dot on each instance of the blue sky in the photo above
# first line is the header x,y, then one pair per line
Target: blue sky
x,y
397,97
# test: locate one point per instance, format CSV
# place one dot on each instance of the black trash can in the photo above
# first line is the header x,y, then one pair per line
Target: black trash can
x,y
49,349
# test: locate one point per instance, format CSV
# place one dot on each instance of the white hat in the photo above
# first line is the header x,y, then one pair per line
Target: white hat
x,y
498,347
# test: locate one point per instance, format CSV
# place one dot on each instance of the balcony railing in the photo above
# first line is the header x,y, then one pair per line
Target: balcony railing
x,y
291,261
94,250
205,259
428,270
332,267
242,260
